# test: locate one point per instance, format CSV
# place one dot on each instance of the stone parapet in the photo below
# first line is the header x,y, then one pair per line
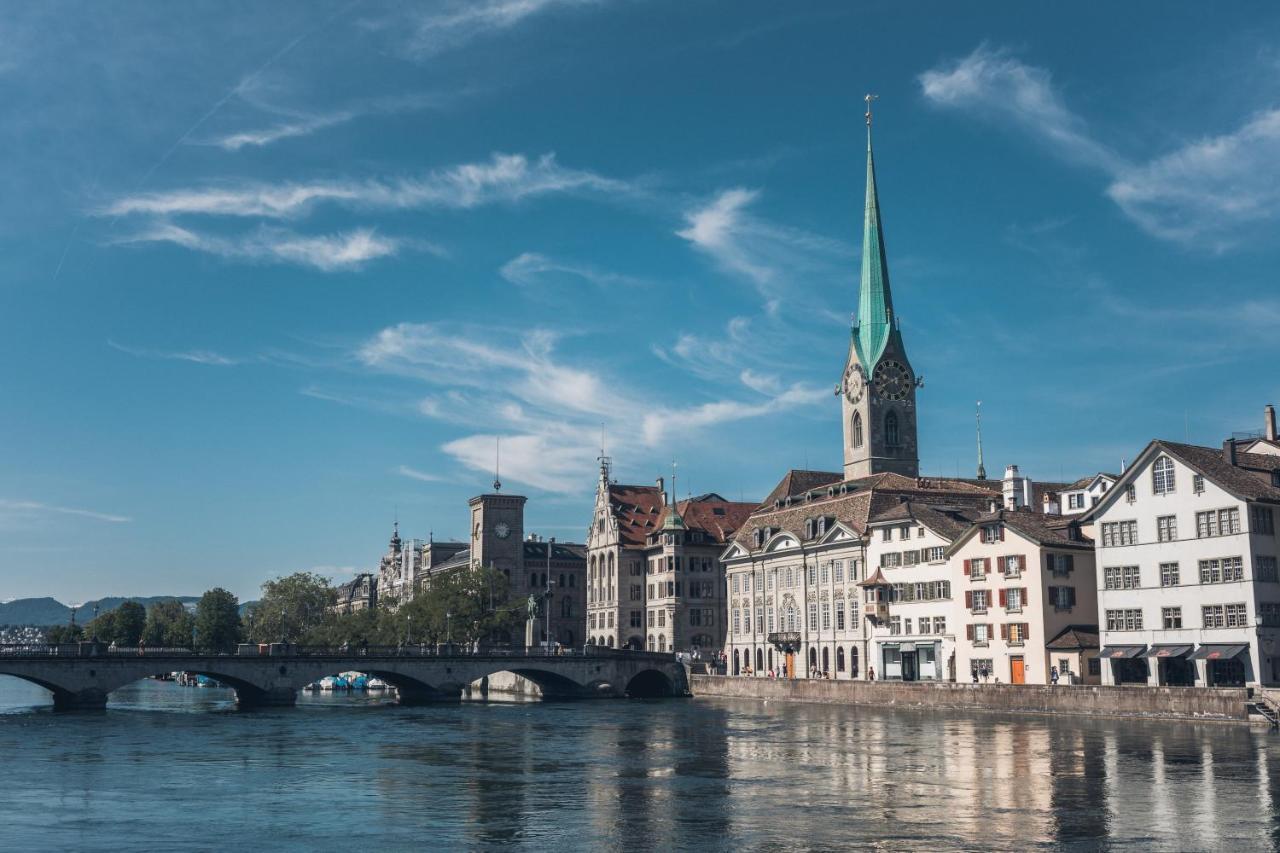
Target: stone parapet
x,y
1173,703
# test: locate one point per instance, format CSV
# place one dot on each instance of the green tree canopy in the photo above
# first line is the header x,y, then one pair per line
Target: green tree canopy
x,y
463,606
130,619
64,634
218,620
293,609
168,624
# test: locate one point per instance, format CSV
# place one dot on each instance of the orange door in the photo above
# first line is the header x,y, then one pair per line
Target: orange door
x,y
791,664
1019,671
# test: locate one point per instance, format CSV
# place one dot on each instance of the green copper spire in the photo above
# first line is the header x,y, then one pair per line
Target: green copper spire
x,y
674,521
875,302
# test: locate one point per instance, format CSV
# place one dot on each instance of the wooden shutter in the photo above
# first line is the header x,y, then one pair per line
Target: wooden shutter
x,y
1004,598
967,565
1025,599
1071,596
1026,631
1053,594
1048,562
991,630
968,600
1071,562
1022,562
968,633
1004,631
1001,528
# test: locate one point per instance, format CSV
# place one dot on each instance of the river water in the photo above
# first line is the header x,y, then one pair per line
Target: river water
x,y
169,767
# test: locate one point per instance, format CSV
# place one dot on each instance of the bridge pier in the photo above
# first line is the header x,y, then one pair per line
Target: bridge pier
x,y
273,697
92,699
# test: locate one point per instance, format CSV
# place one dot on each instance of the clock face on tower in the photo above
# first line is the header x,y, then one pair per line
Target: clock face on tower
x,y
854,384
892,381
501,530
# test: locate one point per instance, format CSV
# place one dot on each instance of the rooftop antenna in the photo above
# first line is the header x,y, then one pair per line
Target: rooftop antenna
x,y
497,463
982,470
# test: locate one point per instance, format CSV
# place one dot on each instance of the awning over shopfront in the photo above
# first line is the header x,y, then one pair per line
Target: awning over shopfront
x,y
1122,651
1169,651
1213,651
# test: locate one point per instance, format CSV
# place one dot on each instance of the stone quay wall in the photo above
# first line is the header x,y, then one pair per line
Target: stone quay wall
x,y
1216,704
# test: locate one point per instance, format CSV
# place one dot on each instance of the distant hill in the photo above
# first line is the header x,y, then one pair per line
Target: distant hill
x,y
48,611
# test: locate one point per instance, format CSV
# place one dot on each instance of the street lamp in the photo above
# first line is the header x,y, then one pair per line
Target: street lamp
x,y
448,631
546,615
284,636
408,629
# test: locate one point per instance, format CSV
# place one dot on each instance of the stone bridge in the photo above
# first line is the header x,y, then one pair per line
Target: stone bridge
x,y
81,678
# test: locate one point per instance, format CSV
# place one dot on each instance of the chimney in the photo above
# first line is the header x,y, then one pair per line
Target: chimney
x,y
662,489
1269,420
1051,506
1229,451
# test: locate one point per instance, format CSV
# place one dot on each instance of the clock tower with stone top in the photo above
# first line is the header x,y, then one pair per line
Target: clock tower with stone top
x,y
878,388
497,531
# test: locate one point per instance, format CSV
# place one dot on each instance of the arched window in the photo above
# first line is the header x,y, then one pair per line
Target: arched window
x,y
891,429
610,641
566,607
760,660
1162,476
813,658
651,644
562,580
572,581
826,660
853,661
662,642
839,659
856,429
737,663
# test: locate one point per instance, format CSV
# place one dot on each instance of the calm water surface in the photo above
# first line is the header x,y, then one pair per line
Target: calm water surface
x,y
167,767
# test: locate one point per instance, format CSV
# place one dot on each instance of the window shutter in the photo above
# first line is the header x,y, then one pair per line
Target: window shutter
x,y
1004,631
1071,596
1002,533
1004,598
1071,562
1048,562
968,601
1026,631
991,629
1022,562
1024,597
967,564
968,633
1053,594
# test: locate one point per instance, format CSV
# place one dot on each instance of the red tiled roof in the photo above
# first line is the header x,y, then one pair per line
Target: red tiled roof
x,y
637,509
719,519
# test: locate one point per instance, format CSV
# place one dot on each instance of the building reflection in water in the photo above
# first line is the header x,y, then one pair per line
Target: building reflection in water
x,y
679,774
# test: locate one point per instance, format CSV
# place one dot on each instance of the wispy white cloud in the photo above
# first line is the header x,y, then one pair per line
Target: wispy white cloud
x,y
531,268
16,511
345,251
765,253
547,409
415,474
1209,189
503,178
996,84
197,356
1214,192
299,123
437,28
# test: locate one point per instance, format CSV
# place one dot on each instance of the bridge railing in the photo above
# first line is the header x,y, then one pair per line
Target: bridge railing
x,y
102,650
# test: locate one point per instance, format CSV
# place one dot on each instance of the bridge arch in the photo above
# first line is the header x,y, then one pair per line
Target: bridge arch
x,y
649,684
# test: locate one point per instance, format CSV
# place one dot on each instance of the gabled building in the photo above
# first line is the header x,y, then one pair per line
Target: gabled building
x,y
1187,567
1024,579
655,578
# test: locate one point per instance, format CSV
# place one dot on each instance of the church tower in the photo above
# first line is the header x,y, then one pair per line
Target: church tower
x,y
878,389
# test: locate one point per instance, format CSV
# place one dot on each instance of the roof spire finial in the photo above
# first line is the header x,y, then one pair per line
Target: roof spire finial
x,y
869,98
497,463
982,471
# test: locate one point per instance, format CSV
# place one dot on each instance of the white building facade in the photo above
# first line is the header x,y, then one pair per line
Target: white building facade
x,y
1187,568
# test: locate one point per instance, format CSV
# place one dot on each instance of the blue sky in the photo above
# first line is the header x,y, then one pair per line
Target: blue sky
x,y
272,274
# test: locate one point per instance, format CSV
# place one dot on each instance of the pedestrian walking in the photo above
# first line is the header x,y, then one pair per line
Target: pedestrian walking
x,y
1053,675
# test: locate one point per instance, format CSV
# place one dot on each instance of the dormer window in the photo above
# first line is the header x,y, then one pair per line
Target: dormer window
x,y
758,535
808,528
1130,493
993,533
1275,478
822,526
